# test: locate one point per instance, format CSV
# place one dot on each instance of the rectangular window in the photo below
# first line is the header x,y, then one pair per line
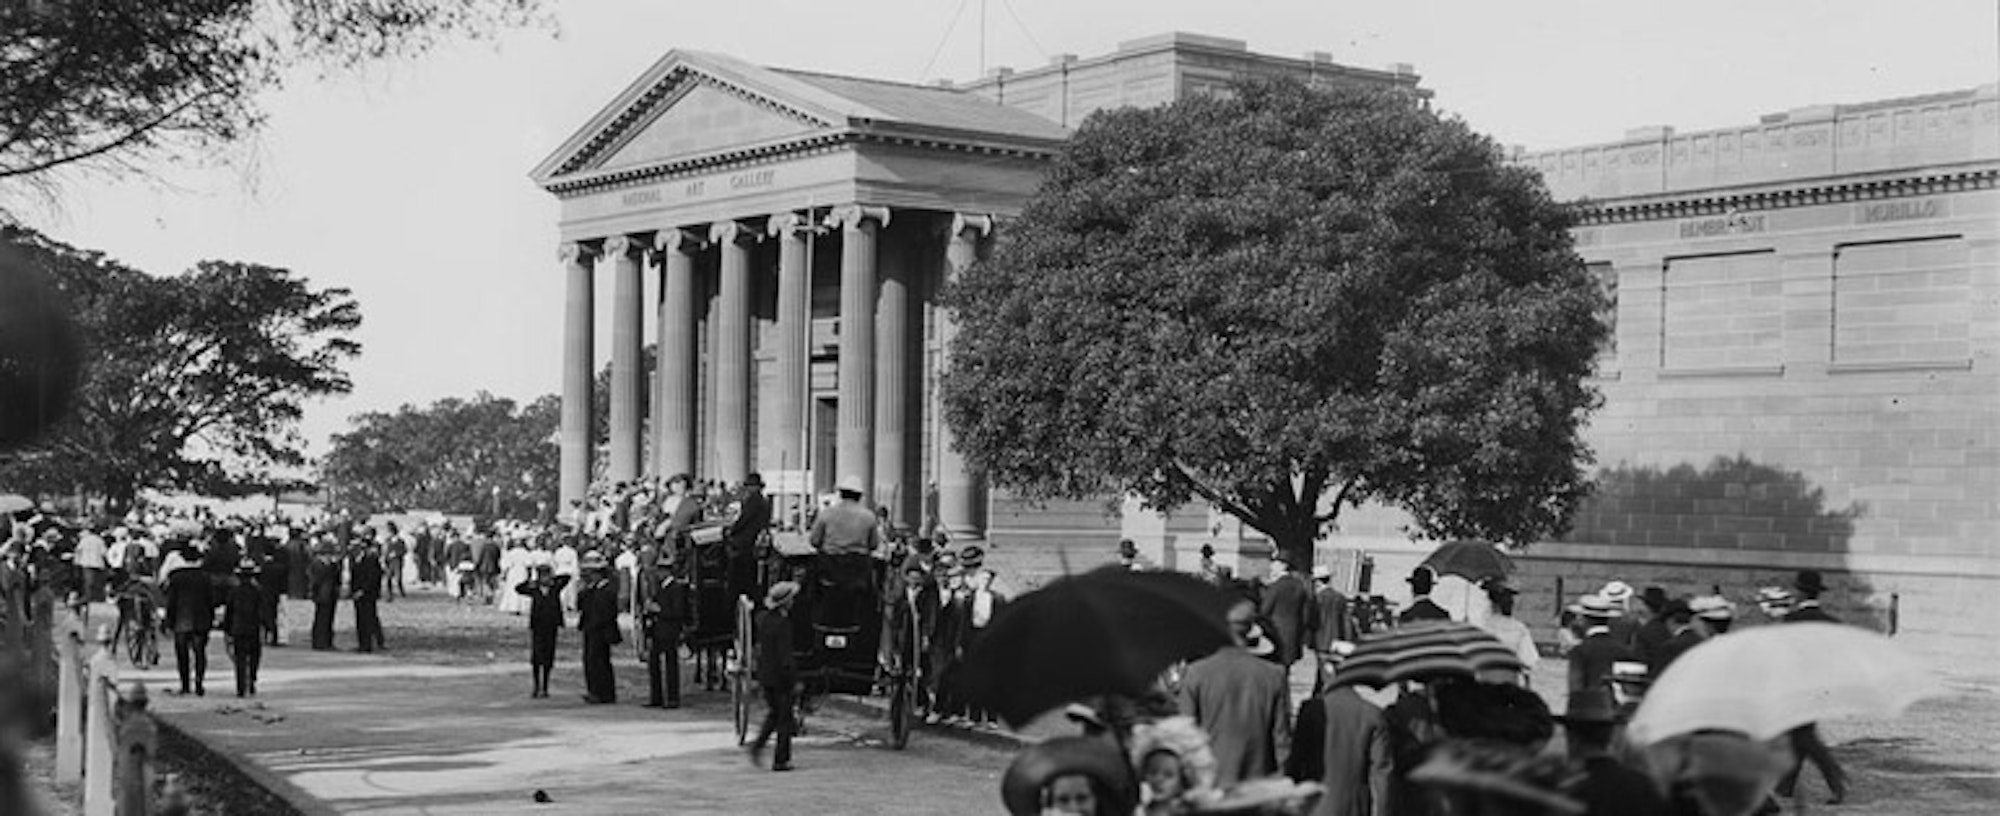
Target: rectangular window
x,y
1902,302
1606,276
1722,312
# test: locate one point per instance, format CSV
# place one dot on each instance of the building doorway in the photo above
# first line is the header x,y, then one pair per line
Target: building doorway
x,y
825,445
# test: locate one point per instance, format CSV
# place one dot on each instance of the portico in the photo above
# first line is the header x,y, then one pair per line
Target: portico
x,y
801,228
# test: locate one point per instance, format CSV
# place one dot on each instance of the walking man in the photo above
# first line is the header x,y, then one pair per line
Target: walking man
x,y
191,602
1422,608
1288,604
597,619
666,615
392,566
1243,702
1806,742
777,673
243,626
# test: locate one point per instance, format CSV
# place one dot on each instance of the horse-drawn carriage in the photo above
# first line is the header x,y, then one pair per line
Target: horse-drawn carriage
x,y
838,624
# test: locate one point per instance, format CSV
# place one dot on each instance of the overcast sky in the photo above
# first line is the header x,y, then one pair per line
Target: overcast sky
x,y
409,184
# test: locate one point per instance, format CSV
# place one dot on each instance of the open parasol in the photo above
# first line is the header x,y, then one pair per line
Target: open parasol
x,y
11,503
1767,680
1425,651
1473,560
1104,632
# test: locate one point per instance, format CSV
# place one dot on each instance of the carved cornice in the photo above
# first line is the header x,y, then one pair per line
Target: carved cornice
x,y
1662,208
787,225
852,216
808,145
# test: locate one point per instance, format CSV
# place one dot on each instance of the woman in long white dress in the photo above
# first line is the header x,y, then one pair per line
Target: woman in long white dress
x,y
513,573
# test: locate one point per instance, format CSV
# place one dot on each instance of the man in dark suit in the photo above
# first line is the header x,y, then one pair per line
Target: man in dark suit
x,y
1331,622
1591,661
486,564
668,606
325,591
912,617
1287,604
1243,702
1806,742
1653,633
365,585
191,603
1342,742
1677,618
1608,787
777,673
753,517
1422,608
275,573
597,619
243,626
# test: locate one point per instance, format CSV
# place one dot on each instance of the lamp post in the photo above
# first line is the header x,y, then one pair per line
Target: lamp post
x,y
495,515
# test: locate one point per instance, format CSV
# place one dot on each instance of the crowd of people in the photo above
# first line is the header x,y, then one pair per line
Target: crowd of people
x,y
1222,734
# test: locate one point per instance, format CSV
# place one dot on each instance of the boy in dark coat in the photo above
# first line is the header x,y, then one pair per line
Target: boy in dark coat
x,y
243,626
545,618
777,672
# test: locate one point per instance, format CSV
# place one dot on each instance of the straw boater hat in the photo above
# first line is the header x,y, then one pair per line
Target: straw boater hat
x,y
1712,607
972,557
593,560
1774,598
248,566
1616,592
780,593
1322,572
1597,606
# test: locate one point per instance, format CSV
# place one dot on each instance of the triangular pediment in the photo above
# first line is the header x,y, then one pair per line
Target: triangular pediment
x,y
693,104
704,118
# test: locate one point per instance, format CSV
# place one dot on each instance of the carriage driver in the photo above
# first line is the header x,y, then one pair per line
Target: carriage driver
x,y
846,528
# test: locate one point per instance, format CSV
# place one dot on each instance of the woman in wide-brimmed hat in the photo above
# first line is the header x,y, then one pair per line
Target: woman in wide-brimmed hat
x,y
1085,776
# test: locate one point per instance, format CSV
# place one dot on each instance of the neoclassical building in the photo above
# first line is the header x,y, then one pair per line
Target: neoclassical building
x,y
1807,314
802,225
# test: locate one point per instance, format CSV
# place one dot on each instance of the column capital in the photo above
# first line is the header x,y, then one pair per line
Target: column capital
x,y
787,224
851,215
574,251
722,233
620,246
982,222
677,240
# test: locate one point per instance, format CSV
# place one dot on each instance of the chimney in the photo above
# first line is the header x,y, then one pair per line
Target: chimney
x,y
1319,57
1001,72
1062,59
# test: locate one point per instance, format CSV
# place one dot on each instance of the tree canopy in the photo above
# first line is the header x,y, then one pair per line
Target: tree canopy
x,y
450,456
1285,301
99,80
196,381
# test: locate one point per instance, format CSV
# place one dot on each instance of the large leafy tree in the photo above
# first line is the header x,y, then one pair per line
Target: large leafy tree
x,y
1285,301
451,456
196,381
103,81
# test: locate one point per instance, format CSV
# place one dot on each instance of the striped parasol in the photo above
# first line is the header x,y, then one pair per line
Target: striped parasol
x,y
1423,651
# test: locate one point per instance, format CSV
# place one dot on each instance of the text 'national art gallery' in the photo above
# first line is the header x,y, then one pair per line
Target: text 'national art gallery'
x,y
1807,315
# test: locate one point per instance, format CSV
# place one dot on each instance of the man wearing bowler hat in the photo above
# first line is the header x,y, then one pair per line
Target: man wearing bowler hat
x,y
777,673
1422,608
1608,787
1806,742
243,625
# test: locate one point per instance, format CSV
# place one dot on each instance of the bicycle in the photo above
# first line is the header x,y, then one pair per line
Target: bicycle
x,y
138,615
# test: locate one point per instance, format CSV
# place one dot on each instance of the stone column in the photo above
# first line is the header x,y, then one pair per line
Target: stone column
x,y
961,492
578,363
674,413
794,330
732,352
856,446
628,375
892,383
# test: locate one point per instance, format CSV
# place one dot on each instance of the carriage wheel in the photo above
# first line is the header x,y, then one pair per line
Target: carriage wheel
x,y
740,666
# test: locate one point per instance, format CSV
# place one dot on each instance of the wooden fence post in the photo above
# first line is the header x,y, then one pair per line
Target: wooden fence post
x,y
100,740
41,664
69,700
136,739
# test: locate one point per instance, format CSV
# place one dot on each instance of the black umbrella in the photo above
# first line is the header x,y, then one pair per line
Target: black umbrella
x,y
1110,631
1472,560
